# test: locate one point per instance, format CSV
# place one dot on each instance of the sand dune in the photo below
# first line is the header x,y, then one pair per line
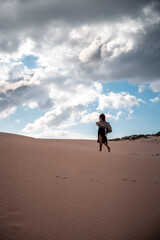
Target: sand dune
x,y
67,189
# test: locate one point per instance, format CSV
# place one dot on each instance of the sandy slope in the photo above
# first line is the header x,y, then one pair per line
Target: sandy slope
x,y
67,189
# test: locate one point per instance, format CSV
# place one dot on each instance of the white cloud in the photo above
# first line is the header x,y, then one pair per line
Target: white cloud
x,y
114,117
154,100
155,86
91,52
94,117
109,42
58,134
142,87
7,112
130,116
117,101
91,117
32,105
17,75
57,118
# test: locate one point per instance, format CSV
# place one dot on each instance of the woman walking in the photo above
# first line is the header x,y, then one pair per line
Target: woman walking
x,y
102,139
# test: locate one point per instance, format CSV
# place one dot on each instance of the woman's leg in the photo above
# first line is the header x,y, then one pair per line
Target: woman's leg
x,y
100,142
106,144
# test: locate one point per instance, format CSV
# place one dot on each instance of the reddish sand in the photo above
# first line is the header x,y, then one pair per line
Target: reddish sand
x,y
68,190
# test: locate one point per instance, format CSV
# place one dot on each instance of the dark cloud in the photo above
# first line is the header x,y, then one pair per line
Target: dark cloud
x,y
141,64
21,19
9,45
25,95
23,14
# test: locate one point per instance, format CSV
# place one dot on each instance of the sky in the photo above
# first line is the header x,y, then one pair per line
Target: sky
x,y
63,62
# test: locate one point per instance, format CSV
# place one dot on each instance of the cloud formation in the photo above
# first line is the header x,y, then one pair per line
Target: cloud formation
x,y
154,100
118,101
77,45
24,13
94,116
64,116
120,43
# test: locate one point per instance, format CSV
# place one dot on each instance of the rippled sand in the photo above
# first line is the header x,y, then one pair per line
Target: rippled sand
x,y
67,189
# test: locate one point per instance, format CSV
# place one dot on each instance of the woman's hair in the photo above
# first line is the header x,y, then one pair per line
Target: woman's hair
x,y
102,116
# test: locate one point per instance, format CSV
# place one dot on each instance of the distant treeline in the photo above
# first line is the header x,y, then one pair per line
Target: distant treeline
x,y
134,137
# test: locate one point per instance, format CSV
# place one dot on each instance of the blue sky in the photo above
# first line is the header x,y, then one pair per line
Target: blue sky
x,y
60,70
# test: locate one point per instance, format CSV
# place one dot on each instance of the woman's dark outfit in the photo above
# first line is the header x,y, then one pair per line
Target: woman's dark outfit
x,y
101,131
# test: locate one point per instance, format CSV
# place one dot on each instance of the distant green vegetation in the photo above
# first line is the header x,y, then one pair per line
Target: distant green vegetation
x,y
134,137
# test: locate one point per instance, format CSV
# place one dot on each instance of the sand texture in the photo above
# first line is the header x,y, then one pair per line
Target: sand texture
x,y
68,190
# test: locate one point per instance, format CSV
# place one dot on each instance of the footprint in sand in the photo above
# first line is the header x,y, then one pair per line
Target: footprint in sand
x,y
64,177
157,154
96,180
133,180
